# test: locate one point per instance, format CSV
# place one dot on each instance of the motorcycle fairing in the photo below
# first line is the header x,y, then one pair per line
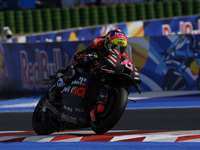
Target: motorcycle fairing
x,y
73,113
77,101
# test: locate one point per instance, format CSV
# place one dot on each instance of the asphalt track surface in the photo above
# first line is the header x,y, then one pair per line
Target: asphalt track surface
x,y
139,119
148,113
145,114
155,117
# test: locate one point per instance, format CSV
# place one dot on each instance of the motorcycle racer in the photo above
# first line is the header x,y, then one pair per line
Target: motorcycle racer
x,y
97,48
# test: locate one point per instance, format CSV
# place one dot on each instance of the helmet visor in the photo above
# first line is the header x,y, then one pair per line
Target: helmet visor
x,y
121,49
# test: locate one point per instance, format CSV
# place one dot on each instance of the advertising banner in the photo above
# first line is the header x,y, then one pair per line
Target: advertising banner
x,y
168,62
172,26
164,62
23,66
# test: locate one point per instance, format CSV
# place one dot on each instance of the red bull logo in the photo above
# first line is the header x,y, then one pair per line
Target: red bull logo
x,y
34,72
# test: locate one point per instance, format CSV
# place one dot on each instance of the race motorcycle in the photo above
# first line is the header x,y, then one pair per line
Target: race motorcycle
x,y
78,98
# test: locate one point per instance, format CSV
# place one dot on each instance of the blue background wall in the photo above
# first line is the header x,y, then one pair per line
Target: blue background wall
x,y
164,62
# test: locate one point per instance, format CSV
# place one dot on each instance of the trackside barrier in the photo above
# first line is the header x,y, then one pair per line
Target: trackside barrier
x,y
164,62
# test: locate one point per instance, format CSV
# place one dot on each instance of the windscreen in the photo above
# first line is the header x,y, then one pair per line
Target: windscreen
x,y
128,51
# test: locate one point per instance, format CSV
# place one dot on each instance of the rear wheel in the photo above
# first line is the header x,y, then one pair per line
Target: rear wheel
x,y
115,107
40,120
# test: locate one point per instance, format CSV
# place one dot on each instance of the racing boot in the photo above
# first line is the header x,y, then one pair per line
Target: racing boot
x,y
101,102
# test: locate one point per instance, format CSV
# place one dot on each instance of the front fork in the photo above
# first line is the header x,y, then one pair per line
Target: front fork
x,y
109,103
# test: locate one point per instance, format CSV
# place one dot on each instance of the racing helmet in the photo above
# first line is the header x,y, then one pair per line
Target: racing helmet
x,y
116,39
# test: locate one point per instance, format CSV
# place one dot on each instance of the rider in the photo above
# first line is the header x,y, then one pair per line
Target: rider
x,y
83,60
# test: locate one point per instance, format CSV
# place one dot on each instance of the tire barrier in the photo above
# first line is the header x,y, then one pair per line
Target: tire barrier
x,y
196,7
28,21
159,10
19,22
1,19
65,17
187,7
150,13
103,17
131,12
177,8
84,16
56,19
121,13
10,20
141,12
75,18
112,14
168,9
46,20
37,20
94,16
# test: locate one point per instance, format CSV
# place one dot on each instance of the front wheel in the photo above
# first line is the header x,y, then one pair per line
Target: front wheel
x,y
115,107
40,122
